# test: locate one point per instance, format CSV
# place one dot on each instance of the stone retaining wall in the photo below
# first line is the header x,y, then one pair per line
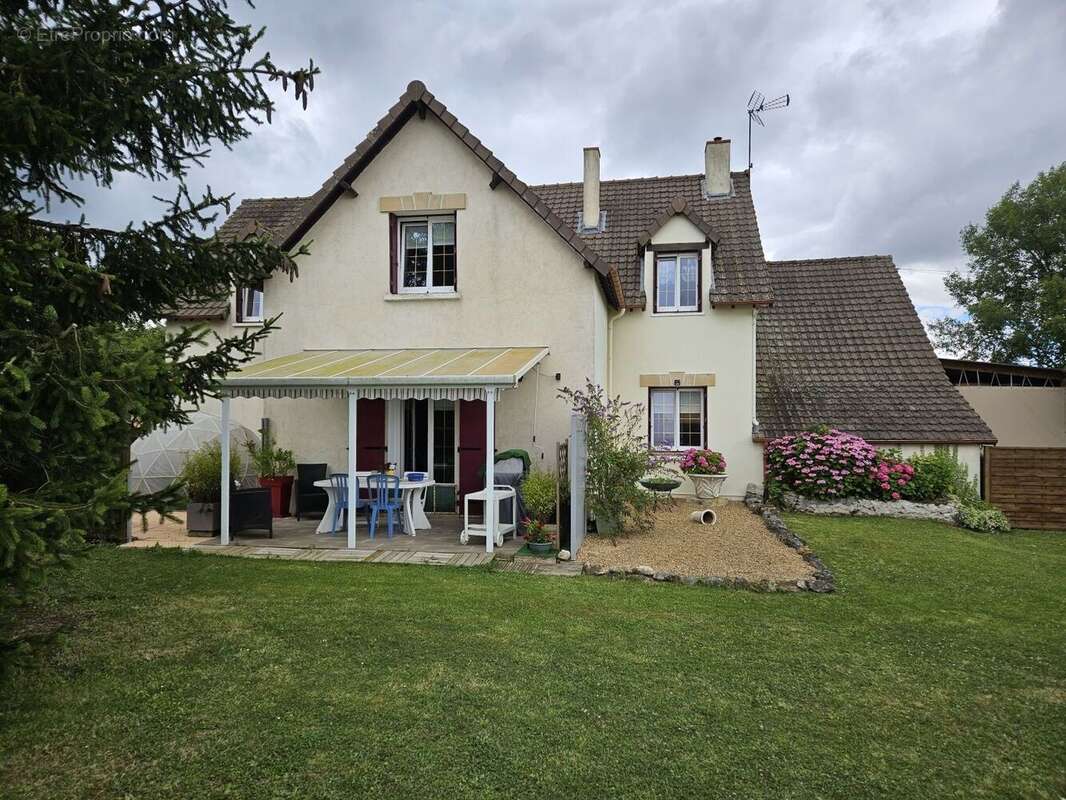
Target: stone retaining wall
x,y
852,506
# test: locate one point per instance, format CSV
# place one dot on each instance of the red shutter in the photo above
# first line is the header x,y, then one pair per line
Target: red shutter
x,y
240,306
394,260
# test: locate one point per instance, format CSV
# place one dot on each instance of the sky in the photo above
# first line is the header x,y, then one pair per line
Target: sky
x,y
907,119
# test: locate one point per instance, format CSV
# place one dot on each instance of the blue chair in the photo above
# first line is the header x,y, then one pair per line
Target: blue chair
x,y
340,489
384,496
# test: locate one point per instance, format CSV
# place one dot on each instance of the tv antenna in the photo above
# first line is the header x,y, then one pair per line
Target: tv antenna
x,y
757,105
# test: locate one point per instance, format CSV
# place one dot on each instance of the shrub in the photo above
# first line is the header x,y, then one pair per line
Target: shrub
x,y
936,476
202,472
269,461
702,462
618,457
538,492
982,517
825,465
890,477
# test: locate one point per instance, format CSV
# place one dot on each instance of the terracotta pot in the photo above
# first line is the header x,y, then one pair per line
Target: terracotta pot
x,y
280,494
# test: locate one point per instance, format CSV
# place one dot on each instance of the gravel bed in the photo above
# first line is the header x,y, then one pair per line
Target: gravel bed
x,y
739,545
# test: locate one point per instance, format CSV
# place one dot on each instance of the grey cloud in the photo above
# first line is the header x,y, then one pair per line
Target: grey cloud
x,y
908,119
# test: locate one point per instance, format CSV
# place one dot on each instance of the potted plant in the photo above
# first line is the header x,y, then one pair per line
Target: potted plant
x,y
661,479
202,474
706,470
538,493
274,466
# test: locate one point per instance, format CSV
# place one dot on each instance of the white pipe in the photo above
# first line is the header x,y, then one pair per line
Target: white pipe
x,y
224,515
490,469
353,488
610,349
754,367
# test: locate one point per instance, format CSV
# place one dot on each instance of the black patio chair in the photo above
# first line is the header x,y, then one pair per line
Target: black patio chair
x,y
310,498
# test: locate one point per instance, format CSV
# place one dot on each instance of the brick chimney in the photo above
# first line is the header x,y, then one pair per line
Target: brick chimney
x,y
716,167
590,208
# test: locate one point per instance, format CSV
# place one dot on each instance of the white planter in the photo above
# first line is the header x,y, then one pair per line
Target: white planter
x,y
708,487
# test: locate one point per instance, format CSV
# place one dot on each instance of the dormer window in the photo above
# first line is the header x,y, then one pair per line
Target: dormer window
x,y
677,282
250,303
427,254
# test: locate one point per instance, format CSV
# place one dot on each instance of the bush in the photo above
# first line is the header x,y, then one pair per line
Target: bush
x,y
538,492
890,477
202,472
824,465
618,457
982,517
937,475
702,462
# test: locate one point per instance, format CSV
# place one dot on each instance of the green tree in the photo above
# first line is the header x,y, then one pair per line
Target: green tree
x,y
1015,292
90,91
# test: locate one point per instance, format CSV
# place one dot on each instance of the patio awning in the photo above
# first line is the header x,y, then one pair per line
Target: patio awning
x,y
446,373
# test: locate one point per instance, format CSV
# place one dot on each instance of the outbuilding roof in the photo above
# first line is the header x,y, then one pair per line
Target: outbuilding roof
x,y
843,346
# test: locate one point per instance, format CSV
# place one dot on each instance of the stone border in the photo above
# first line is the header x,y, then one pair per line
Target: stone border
x,y
865,507
822,582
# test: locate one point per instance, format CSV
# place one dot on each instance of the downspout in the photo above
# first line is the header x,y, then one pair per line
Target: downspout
x,y
754,366
610,349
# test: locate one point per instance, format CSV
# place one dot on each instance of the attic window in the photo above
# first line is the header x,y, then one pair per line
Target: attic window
x,y
427,255
677,283
250,303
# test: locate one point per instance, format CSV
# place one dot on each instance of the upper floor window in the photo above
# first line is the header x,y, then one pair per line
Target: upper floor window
x,y
250,303
678,418
677,282
427,254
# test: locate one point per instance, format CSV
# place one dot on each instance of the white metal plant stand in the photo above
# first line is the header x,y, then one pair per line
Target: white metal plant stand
x,y
500,493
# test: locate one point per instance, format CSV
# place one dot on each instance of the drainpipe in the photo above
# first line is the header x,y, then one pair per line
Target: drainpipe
x,y
610,349
754,367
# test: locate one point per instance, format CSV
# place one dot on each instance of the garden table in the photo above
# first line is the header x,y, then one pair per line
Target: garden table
x,y
413,500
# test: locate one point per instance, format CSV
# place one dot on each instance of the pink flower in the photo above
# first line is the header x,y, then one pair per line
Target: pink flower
x,y
895,495
901,482
885,486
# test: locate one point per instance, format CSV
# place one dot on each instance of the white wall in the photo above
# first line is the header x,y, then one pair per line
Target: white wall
x,y
519,284
967,454
717,341
1021,416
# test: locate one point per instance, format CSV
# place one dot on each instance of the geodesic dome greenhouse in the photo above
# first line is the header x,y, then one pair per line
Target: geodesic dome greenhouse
x,y
158,457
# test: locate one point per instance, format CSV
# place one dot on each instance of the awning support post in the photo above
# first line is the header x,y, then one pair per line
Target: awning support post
x,y
490,469
224,494
353,486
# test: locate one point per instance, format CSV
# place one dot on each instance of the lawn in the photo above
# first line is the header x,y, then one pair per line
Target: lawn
x,y
937,670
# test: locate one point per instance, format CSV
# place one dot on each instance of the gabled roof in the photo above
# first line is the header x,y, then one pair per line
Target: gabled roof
x,y
419,100
678,206
634,206
843,346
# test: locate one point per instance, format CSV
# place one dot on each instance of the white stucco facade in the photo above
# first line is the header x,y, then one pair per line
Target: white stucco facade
x,y
715,341
518,284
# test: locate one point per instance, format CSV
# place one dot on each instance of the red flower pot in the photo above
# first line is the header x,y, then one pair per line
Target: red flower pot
x,y
280,494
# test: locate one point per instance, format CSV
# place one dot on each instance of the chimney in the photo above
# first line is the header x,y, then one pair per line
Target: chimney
x,y
590,209
716,167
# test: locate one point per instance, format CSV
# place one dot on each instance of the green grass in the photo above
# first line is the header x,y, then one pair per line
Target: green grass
x,y
937,670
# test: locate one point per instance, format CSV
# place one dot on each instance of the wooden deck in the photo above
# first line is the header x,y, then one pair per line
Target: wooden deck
x,y
299,541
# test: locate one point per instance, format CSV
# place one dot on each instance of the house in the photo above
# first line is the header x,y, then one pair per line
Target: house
x,y
449,301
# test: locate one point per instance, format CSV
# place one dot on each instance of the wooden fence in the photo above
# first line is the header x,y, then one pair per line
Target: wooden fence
x,y
1028,484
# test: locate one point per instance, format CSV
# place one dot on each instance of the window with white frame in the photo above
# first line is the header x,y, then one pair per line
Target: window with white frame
x,y
427,254
677,282
250,303
678,418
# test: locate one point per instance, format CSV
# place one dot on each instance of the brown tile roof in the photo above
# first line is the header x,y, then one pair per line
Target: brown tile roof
x,y
843,346
200,311
265,215
636,207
